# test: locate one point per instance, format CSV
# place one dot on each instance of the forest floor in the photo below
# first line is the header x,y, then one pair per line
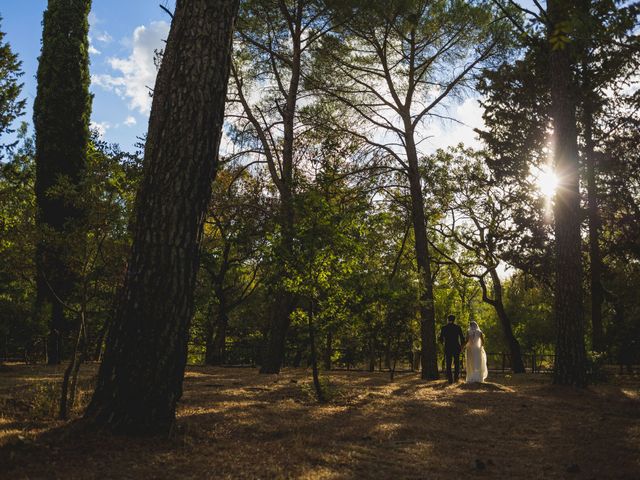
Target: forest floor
x,y
235,423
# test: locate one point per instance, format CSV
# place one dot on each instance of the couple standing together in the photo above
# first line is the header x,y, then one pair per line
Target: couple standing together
x,y
476,358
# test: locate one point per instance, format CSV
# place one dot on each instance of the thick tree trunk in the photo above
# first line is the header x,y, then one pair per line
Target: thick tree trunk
x,y
517,365
570,367
140,379
429,357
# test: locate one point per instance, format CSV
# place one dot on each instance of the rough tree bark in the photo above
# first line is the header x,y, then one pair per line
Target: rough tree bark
x,y
140,379
570,367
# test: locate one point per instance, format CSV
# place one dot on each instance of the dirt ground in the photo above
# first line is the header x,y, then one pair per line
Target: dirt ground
x,y
235,423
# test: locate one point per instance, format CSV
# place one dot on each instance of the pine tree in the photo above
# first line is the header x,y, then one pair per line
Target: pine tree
x,y
61,115
140,379
11,107
570,367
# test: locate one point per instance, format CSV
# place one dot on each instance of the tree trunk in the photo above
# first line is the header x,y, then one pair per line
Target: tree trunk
x,y
57,329
387,352
570,366
328,351
595,256
372,354
280,319
140,379
284,302
517,365
70,378
97,351
215,350
429,355
314,358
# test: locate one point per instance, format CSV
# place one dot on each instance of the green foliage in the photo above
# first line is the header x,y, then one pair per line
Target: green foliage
x,y
62,108
97,259
11,106
45,401
596,372
61,115
371,74
330,391
602,42
529,305
18,326
234,265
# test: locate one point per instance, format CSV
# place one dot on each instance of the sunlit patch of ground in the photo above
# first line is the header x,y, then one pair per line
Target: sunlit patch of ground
x,y
235,423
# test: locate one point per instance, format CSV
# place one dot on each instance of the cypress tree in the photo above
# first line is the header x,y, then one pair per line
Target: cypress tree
x,y
61,114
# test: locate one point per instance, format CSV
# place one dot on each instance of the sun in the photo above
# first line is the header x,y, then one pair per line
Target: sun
x,y
547,181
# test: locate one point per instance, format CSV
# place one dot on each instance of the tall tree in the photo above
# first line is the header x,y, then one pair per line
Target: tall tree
x,y
608,58
140,379
61,114
394,66
604,54
11,106
478,222
570,365
274,41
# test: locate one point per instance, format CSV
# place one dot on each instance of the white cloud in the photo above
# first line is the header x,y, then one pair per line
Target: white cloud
x,y
110,83
100,127
136,73
104,37
446,133
93,19
130,121
93,50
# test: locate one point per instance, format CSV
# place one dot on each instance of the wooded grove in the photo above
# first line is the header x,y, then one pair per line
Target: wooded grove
x,y
291,205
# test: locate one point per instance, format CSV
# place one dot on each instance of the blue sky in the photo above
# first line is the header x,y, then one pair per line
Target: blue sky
x,y
123,36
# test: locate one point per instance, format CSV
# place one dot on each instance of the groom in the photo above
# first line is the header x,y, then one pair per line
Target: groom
x,y
453,338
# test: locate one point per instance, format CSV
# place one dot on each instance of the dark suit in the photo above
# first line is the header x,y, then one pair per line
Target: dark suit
x,y
453,338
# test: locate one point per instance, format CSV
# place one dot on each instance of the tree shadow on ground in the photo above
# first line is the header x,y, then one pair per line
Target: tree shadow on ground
x,y
237,424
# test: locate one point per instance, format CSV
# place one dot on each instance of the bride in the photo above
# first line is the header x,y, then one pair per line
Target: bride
x,y
476,358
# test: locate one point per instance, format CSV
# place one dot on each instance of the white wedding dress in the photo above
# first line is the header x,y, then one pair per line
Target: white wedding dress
x,y
476,357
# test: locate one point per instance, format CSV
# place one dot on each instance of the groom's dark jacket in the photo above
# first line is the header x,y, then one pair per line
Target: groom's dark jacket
x,y
453,338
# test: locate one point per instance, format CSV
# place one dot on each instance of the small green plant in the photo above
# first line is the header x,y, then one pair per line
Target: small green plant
x,y
330,390
596,372
46,398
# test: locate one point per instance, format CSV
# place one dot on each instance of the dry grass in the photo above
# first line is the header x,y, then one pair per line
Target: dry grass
x,y
234,423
